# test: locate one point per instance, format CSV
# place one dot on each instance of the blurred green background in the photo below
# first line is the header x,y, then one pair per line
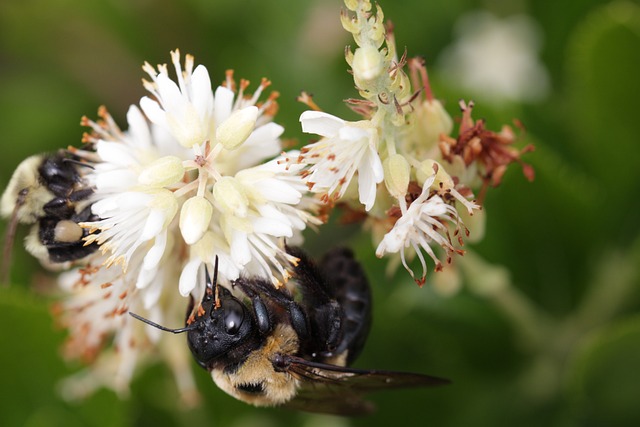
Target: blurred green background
x,y
556,344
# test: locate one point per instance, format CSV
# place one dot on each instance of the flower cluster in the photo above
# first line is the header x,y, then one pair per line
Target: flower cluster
x,y
199,178
192,178
415,180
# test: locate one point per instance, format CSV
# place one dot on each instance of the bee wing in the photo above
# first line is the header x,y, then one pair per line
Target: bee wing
x,y
338,390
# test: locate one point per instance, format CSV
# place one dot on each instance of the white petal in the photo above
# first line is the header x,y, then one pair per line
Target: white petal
x,y
116,153
189,277
104,208
227,268
152,258
154,112
370,173
115,180
152,293
277,191
268,133
354,133
173,100
145,277
223,103
320,123
272,227
201,95
139,133
153,224
240,252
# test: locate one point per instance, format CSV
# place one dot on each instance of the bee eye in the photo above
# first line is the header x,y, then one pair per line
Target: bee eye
x,y
233,316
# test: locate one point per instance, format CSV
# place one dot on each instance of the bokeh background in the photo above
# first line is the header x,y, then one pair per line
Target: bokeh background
x,y
544,329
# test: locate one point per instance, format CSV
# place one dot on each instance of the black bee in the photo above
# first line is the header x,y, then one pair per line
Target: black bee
x,y
48,192
269,349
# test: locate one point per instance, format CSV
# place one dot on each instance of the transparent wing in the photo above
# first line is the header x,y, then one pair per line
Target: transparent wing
x,y
338,390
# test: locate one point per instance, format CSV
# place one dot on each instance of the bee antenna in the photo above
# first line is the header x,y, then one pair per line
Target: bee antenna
x,y
163,328
215,283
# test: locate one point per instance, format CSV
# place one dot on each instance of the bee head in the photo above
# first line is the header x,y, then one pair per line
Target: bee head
x,y
225,324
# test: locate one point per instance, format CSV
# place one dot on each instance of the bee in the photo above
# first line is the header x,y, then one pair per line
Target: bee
x,y
48,193
268,348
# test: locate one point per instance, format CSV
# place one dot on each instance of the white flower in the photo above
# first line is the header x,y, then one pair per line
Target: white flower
x,y
267,210
185,109
131,219
183,186
346,148
141,180
422,224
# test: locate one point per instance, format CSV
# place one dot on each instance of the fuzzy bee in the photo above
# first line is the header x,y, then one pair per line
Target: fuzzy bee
x,y
48,192
268,349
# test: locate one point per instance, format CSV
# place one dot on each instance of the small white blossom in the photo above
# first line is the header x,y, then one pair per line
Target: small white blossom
x,y
346,148
131,219
184,109
268,210
195,218
422,224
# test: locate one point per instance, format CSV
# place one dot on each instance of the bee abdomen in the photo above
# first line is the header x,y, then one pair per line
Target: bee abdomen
x,y
351,289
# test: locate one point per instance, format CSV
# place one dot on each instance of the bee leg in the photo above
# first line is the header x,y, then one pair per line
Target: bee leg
x,y
298,320
59,208
81,194
255,288
262,315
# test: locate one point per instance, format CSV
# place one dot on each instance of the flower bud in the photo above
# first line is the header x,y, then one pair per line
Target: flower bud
x,y
164,201
396,175
432,120
230,195
367,64
195,218
428,168
162,172
236,128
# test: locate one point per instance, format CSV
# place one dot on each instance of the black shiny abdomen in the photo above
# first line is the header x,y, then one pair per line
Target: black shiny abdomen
x,y
337,299
60,175
350,287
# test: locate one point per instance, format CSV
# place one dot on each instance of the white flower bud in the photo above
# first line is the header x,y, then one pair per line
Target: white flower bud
x,y
433,120
367,64
165,202
231,197
236,128
188,129
428,168
396,175
162,172
195,218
